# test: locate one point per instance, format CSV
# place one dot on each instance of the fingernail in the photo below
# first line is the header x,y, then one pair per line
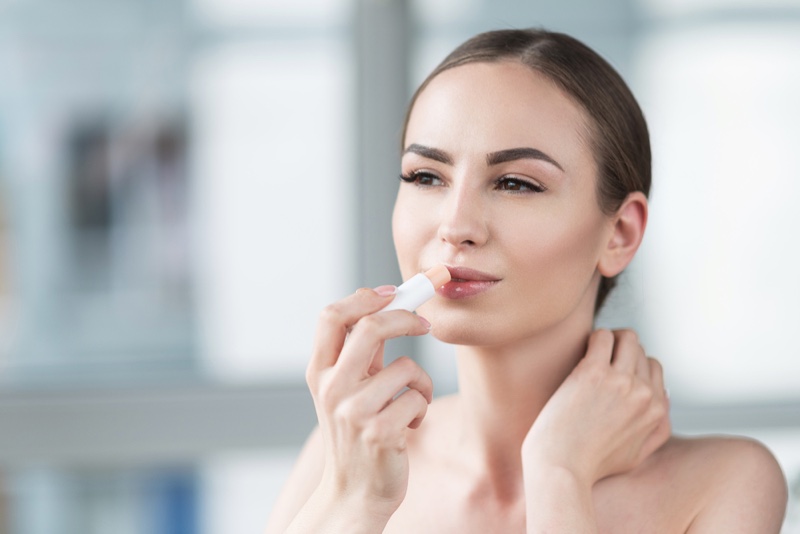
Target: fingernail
x,y
385,291
424,322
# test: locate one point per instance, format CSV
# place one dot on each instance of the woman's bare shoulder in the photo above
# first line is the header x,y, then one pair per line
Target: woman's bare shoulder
x,y
735,483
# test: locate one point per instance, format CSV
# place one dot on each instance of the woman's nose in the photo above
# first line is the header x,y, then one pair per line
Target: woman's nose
x,y
463,222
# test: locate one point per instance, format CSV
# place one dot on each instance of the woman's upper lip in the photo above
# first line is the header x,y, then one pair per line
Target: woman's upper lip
x,y
465,273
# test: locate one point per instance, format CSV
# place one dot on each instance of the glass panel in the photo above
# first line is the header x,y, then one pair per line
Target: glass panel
x,y
240,489
689,7
720,262
273,201
274,13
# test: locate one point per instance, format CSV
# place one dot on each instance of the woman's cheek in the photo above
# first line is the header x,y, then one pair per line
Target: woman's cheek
x,y
408,234
559,261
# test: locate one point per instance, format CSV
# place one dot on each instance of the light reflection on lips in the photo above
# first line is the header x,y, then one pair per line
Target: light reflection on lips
x,y
466,283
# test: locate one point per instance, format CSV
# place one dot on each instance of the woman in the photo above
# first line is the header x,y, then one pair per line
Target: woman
x,y
525,170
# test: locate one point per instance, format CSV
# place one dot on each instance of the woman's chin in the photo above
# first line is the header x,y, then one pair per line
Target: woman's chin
x,y
456,336
449,329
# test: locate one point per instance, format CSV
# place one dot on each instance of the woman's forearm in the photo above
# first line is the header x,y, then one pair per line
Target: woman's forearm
x,y
557,501
325,513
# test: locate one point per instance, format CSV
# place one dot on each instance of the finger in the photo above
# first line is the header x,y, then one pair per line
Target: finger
x,y
657,378
401,373
408,410
663,425
643,368
600,347
370,332
627,351
337,319
377,360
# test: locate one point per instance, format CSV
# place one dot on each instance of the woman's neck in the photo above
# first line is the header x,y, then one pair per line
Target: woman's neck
x,y
503,389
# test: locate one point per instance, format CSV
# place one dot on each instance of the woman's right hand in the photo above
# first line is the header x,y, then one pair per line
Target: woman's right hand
x,y
362,409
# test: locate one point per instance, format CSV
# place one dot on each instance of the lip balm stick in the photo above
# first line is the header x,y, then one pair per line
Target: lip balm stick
x,y
418,289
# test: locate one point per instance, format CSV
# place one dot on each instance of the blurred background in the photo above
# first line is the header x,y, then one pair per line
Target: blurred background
x,y
184,184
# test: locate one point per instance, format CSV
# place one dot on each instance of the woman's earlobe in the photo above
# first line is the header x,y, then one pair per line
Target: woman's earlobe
x,y
628,227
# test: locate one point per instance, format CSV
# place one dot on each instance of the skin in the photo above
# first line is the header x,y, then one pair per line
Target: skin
x,y
556,427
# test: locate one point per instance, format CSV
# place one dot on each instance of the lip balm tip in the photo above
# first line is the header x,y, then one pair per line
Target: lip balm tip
x,y
438,275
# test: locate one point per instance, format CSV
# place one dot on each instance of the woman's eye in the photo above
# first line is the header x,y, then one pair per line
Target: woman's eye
x,y
421,178
517,185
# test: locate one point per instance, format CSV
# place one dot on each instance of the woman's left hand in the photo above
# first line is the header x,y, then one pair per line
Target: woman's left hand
x,y
610,413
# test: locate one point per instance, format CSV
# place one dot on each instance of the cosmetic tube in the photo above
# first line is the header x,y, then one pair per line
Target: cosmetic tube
x,y
418,289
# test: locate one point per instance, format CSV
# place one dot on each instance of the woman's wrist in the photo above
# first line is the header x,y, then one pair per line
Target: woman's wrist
x,y
340,512
557,499
540,458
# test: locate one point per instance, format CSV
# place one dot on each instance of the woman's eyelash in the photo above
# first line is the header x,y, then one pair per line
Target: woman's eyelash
x,y
511,184
421,178
518,185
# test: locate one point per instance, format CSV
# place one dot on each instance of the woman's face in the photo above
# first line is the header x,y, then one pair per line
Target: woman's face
x,y
499,185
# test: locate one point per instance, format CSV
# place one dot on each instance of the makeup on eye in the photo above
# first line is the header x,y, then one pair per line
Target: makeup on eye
x,y
421,178
507,182
514,184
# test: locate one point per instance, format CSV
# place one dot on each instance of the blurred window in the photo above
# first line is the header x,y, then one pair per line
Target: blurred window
x,y
720,259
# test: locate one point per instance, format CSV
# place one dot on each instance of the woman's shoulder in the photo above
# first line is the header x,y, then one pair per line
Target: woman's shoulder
x,y
730,483
723,458
717,451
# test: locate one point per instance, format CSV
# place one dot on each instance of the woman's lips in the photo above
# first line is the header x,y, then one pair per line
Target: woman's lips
x,y
466,283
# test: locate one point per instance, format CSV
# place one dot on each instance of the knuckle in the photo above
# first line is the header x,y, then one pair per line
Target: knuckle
x,y
643,393
347,411
659,410
627,335
595,374
370,322
376,434
623,383
420,400
325,391
655,364
331,314
603,334
311,378
406,365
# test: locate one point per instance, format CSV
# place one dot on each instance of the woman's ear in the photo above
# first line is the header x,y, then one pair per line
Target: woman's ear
x,y
627,231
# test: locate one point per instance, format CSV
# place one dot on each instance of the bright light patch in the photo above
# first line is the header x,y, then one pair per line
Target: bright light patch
x,y
273,201
722,255
270,12
690,7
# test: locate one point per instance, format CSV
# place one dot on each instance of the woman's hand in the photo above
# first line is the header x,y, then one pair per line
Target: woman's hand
x,y
610,414
362,409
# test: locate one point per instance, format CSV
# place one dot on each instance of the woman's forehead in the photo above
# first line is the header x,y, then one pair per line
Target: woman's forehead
x,y
487,107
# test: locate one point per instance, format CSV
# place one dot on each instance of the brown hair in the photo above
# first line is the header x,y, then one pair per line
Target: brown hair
x,y
618,131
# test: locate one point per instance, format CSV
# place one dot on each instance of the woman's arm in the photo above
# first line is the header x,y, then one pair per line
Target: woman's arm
x,y
556,500
747,491
607,417
305,477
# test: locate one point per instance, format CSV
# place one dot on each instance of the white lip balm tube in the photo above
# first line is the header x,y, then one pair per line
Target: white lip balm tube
x,y
418,289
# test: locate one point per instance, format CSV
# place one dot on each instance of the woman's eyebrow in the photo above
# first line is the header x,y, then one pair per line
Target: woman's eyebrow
x,y
430,153
511,154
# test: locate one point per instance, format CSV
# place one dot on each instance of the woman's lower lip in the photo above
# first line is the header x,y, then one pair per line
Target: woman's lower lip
x,y
467,288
